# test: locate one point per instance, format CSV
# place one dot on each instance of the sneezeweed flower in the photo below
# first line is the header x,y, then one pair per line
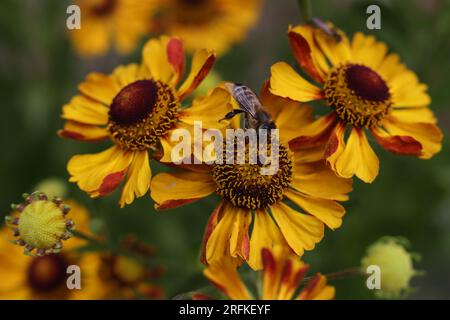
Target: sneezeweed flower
x,y
216,24
136,108
395,263
45,277
368,90
282,275
40,224
249,196
107,23
126,277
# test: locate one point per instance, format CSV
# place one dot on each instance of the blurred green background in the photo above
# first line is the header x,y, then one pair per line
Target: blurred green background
x,y
39,73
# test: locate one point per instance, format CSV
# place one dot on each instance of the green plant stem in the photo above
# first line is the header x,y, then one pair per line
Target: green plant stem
x,y
342,274
305,10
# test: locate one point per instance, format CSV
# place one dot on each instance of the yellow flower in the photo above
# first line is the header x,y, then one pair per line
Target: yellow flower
x,y
40,224
216,24
282,275
125,277
248,196
24,277
395,263
53,187
111,22
368,90
136,107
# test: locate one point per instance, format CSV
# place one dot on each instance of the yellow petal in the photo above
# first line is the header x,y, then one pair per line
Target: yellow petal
x,y
79,131
209,110
225,277
358,158
99,87
428,134
124,75
319,181
155,58
336,51
287,83
84,110
138,179
202,62
265,234
90,171
367,51
328,211
169,190
414,115
407,91
301,231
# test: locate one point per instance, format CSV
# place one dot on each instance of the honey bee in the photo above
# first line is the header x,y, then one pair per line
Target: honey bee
x,y
255,116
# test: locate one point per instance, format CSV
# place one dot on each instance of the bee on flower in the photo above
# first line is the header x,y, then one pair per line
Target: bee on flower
x,y
136,108
251,200
368,91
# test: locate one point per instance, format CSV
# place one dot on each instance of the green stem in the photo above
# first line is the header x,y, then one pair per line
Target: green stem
x,y
305,10
83,236
342,274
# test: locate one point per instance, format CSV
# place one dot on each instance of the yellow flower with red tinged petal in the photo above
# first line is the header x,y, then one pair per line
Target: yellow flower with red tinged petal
x,y
216,24
368,90
107,23
44,277
257,202
136,108
282,274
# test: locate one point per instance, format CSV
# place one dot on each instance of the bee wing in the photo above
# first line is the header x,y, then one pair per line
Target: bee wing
x,y
247,100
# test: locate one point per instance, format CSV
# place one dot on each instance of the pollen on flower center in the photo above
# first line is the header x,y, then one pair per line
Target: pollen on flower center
x,y
358,94
244,186
47,273
141,113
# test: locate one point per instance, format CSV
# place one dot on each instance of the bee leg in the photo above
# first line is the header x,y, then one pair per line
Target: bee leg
x,y
231,114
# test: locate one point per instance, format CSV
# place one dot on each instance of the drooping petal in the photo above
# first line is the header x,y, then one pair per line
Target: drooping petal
x,y
357,158
225,277
202,62
405,145
219,242
306,53
301,231
239,239
138,178
125,75
101,173
175,55
428,134
287,83
99,87
170,190
78,131
319,181
84,110
265,234
414,115
328,211
155,58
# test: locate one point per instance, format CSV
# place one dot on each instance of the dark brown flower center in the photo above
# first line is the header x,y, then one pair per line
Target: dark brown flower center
x,y
141,113
358,94
134,102
47,273
103,8
366,83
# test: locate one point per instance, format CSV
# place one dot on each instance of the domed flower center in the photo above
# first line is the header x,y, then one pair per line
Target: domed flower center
x,y
41,224
103,7
141,113
47,273
358,94
123,270
194,12
246,187
192,2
